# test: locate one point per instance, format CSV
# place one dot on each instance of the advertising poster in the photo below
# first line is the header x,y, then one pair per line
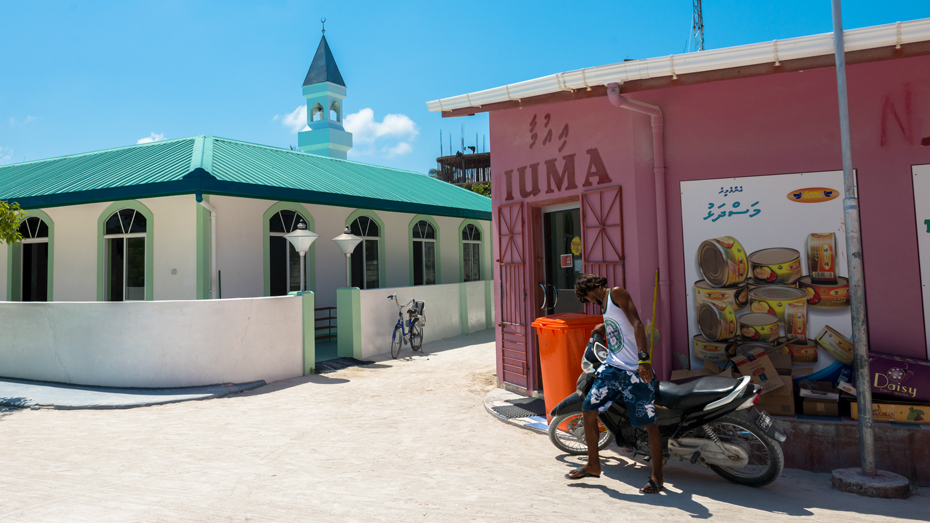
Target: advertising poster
x,y
922,207
765,262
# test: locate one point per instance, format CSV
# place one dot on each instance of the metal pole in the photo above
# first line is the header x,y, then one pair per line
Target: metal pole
x,y
302,288
854,250
348,271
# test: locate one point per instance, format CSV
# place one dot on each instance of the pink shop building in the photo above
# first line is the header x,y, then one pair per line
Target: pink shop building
x,y
627,168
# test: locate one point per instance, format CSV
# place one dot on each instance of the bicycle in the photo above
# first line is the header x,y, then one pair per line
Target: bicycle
x,y
417,321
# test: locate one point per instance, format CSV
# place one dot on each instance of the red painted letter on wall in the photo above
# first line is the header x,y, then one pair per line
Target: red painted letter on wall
x,y
568,174
596,169
890,111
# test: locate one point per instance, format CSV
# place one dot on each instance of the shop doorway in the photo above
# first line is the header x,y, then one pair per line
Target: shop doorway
x,y
562,261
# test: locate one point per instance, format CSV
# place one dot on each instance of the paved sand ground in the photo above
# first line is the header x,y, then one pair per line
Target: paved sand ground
x,y
396,441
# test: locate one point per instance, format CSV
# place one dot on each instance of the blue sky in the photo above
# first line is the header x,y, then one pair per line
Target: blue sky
x,y
84,76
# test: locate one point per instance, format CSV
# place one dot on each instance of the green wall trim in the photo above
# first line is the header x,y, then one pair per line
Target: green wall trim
x,y
349,322
203,250
382,259
266,243
416,219
308,304
489,303
482,254
463,306
149,247
15,258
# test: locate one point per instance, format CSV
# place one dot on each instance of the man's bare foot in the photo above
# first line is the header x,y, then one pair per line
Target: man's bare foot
x,y
582,472
653,487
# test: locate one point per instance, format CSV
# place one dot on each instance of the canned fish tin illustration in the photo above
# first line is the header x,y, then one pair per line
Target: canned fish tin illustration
x,y
758,326
712,350
746,346
736,297
839,346
821,257
826,295
803,351
722,261
753,285
717,321
773,299
779,265
796,320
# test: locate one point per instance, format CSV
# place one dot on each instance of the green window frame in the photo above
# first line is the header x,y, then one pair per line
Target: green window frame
x,y
266,243
149,246
382,265
410,239
483,253
15,257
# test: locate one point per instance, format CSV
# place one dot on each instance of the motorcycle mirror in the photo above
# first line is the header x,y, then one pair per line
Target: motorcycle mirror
x,y
600,351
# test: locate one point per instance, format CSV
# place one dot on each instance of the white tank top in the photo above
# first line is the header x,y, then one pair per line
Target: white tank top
x,y
621,340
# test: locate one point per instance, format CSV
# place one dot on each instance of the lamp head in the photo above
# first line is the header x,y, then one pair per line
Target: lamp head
x,y
301,238
347,241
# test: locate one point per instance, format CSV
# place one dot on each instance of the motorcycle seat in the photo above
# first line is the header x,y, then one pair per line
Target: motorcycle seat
x,y
694,393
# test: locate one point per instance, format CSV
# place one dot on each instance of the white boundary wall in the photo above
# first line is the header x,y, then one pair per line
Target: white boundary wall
x,y
153,344
443,313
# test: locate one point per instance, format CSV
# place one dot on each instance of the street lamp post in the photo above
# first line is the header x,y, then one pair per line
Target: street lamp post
x,y
347,242
301,239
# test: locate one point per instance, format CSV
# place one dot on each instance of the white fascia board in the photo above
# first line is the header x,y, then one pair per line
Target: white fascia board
x,y
753,54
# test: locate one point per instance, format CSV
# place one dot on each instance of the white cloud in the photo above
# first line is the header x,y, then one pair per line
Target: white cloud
x,y
366,130
295,120
25,121
5,154
397,150
152,138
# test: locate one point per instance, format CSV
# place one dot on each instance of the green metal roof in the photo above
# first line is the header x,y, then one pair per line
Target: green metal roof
x,y
208,165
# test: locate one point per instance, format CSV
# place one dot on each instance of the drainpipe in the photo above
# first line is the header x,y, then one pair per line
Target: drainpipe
x,y
658,159
212,209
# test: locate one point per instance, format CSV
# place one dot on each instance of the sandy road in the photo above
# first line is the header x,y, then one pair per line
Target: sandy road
x,y
396,441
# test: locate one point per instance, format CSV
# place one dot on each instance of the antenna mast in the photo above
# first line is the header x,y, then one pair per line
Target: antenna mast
x,y
697,26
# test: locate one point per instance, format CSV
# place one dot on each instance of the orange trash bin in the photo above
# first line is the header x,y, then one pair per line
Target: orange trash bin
x,y
562,340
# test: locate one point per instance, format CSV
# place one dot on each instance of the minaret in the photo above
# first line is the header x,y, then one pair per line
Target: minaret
x,y
324,90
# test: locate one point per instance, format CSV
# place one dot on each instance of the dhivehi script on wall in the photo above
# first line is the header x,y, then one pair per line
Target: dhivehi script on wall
x,y
765,258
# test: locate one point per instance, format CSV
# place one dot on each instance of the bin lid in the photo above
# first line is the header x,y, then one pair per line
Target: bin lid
x,y
568,320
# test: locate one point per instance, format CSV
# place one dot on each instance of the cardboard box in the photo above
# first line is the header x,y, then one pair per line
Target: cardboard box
x,y
814,407
897,412
685,373
757,365
782,363
780,401
900,377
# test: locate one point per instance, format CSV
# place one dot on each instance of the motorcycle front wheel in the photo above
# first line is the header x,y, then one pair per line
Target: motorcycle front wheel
x,y
566,432
766,460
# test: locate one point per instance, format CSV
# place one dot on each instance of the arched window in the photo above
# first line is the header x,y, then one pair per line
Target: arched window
x,y
424,253
284,261
471,252
365,259
34,263
316,113
124,234
334,112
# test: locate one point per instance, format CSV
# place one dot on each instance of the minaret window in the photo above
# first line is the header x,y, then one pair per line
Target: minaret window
x,y
316,114
334,113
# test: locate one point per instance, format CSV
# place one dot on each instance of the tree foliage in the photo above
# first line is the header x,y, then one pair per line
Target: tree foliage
x,y
10,217
482,188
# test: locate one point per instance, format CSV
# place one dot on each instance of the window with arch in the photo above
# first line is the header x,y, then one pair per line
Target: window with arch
x,y
316,114
34,263
424,253
284,261
471,252
366,267
334,112
124,234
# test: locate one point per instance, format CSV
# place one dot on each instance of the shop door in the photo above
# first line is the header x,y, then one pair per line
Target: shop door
x,y
562,262
514,357
602,236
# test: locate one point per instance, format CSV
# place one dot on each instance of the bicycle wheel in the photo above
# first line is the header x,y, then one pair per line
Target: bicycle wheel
x,y
416,338
396,341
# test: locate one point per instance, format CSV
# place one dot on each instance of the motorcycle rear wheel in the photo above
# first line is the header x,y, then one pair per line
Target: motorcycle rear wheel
x,y
766,460
570,437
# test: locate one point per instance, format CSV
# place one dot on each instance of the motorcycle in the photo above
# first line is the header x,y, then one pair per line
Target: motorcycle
x,y
709,420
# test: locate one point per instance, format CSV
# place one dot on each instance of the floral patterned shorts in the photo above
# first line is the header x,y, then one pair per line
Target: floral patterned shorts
x,y
639,396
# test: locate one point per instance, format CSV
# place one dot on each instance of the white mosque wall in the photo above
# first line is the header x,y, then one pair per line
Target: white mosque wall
x,y
75,264
155,343
175,246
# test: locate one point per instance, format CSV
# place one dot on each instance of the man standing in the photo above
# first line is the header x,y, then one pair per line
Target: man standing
x,y
627,373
